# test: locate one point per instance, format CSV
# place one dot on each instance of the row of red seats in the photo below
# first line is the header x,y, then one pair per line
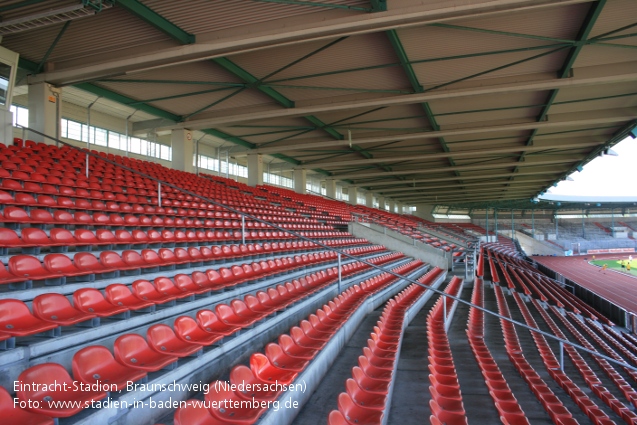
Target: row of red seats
x,y
597,415
51,310
446,398
135,356
59,266
282,361
31,237
504,399
88,201
12,214
594,383
365,399
551,403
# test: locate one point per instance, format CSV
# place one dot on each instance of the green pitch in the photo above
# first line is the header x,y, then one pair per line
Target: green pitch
x,y
615,265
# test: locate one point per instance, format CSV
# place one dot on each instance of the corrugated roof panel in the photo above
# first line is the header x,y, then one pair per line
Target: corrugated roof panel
x,y
596,105
561,22
195,71
188,105
613,17
363,117
429,43
443,107
97,36
376,82
491,116
437,73
367,50
572,94
200,16
592,55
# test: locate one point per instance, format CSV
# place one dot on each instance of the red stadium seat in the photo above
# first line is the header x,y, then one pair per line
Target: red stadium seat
x,y
252,386
162,339
56,308
95,364
16,416
281,359
210,322
188,330
90,300
121,295
356,414
17,320
268,372
231,415
145,290
133,351
64,391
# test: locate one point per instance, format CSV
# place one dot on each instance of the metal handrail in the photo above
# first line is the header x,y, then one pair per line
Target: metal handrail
x,y
343,253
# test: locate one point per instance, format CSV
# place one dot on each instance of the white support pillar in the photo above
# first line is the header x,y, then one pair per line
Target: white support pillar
x,y
330,188
183,150
353,195
43,103
381,203
391,204
399,208
369,199
255,169
300,181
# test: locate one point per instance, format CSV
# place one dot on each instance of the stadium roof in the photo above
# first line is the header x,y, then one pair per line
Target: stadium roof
x,y
437,101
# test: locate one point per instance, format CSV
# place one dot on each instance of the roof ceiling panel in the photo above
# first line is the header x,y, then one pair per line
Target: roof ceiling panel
x,y
512,115
592,55
613,17
205,16
369,50
435,74
561,21
118,30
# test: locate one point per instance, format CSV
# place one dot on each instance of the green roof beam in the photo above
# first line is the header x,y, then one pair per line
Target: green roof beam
x,y
125,100
379,5
156,20
253,81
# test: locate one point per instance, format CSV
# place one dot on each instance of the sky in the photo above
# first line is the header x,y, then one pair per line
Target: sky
x,y
605,176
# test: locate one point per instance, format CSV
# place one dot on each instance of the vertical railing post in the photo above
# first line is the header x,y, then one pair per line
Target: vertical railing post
x,y
159,194
444,308
87,165
487,217
243,229
339,273
561,356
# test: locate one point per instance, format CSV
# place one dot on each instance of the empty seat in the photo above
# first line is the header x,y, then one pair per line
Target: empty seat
x,y
56,308
133,351
222,401
121,295
187,329
210,322
65,391
252,387
268,372
17,416
281,359
95,364
162,339
16,319
356,414
90,300
29,268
